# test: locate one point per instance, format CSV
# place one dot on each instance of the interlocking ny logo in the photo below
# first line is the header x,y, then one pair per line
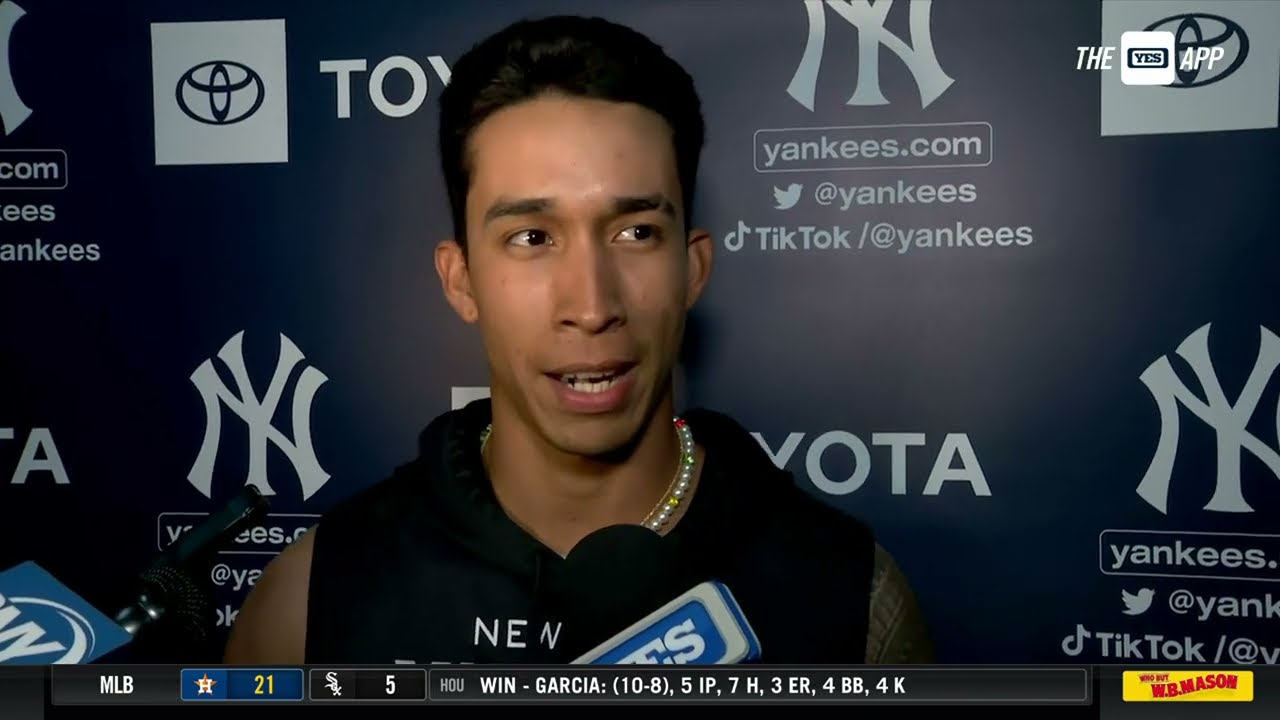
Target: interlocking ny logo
x,y
257,414
1228,421
13,112
868,18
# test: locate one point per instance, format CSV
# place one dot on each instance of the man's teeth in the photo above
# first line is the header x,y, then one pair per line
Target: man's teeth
x,y
595,383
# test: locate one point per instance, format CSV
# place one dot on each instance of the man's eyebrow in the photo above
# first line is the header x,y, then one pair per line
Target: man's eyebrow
x,y
644,203
627,205
514,208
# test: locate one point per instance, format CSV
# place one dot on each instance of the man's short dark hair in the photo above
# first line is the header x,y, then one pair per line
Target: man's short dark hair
x,y
575,56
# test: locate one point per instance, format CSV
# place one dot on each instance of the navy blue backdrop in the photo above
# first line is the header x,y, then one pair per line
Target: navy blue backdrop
x,y
1018,315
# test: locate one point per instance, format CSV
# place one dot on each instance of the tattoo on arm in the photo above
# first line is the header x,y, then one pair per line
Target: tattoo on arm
x,y
896,632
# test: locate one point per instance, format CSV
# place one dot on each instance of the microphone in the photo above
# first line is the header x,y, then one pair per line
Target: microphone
x,y
610,578
201,541
166,591
42,621
703,626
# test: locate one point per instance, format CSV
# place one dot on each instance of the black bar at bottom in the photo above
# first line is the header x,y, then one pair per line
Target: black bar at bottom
x,y
22,695
587,711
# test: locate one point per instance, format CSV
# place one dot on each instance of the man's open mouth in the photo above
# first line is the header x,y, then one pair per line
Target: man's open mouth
x,y
593,381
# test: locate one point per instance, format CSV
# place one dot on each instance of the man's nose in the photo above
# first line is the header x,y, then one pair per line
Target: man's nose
x,y
588,288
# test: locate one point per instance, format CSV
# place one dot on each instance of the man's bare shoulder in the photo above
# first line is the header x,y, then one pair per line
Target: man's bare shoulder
x,y
271,627
896,633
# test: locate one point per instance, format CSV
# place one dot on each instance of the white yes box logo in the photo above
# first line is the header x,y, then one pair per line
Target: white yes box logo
x,y
1147,58
220,92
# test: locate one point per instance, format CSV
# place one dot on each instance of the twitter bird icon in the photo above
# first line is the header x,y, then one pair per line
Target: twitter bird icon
x,y
1136,604
787,199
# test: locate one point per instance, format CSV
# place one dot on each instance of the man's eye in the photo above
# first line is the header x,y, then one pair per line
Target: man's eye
x,y
530,238
641,233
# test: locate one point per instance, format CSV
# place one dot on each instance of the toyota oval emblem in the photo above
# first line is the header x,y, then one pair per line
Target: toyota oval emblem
x,y
220,92
1201,30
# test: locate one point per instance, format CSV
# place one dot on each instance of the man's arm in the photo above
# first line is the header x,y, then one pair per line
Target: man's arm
x,y
896,632
271,627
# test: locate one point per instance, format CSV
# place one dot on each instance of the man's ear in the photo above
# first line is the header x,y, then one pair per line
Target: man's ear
x,y
455,279
701,251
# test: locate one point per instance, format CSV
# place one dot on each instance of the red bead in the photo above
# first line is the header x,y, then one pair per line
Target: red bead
x,y
680,422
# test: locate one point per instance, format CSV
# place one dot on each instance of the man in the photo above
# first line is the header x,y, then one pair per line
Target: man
x,y
570,148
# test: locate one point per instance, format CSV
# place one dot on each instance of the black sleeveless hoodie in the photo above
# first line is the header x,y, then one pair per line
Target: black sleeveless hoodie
x,y
426,567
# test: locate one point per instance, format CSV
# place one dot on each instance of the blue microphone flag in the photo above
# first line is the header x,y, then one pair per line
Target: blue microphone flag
x,y
42,622
704,626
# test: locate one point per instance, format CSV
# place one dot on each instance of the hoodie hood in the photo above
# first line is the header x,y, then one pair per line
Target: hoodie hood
x,y
739,483
461,502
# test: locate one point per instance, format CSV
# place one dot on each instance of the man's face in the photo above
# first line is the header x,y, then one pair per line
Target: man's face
x,y
579,272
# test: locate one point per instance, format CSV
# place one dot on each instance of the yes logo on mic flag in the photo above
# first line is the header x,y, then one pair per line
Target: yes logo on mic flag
x,y
42,622
703,626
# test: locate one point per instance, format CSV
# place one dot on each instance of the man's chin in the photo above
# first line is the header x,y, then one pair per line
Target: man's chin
x,y
603,437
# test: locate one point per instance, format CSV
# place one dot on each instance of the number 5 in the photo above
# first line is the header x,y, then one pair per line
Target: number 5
x,y
391,684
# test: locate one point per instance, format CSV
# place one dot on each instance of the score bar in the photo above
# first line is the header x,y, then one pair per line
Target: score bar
x,y
253,684
330,685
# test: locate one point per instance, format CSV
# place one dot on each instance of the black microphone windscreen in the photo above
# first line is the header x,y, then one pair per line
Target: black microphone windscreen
x,y
188,608
614,577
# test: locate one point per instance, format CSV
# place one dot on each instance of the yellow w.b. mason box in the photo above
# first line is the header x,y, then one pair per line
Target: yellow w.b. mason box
x,y
1188,686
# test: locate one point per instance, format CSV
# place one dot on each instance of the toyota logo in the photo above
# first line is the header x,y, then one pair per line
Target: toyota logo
x,y
220,92
1189,33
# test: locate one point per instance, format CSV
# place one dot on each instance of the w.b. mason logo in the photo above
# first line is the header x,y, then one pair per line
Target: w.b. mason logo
x,y
1228,421
257,414
869,18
